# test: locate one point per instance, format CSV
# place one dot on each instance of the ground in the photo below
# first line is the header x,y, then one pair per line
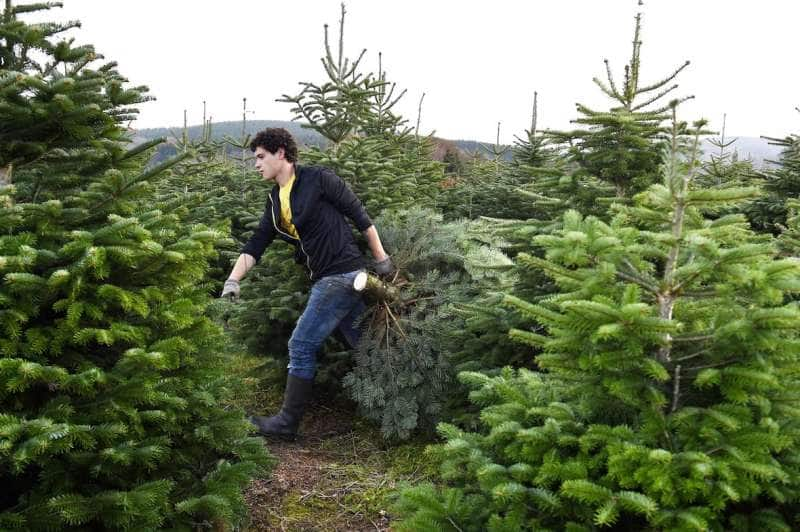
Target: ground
x,y
340,474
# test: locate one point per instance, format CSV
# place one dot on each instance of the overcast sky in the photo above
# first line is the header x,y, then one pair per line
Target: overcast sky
x,y
479,62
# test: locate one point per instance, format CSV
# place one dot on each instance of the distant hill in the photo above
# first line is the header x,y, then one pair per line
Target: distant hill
x,y
754,148
220,130
306,137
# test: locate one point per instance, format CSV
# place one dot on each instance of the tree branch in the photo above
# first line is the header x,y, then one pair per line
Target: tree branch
x,y
693,355
717,365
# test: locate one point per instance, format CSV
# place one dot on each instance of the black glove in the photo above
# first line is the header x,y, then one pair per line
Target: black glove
x,y
385,267
231,289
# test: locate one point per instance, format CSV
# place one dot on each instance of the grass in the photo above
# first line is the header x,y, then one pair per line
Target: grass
x,y
340,475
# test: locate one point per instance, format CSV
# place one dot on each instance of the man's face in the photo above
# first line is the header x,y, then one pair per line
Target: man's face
x,y
268,164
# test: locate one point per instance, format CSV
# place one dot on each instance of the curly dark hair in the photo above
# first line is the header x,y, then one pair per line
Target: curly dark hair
x,y
273,138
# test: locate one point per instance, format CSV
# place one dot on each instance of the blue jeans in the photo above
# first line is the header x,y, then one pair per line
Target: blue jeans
x,y
332,303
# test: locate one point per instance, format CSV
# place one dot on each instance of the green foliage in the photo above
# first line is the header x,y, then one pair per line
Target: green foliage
x,y
585,170
386,170
402,372
672,363
549,174
446,510
770,213
789,240
724,169
53,109
340,106
111,374
273,297
373,150
621,146
495,188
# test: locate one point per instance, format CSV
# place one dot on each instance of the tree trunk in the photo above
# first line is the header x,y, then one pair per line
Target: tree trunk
x,y
375,287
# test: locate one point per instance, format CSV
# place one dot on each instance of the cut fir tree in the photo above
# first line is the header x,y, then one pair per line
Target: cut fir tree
x,y
670,395
402,372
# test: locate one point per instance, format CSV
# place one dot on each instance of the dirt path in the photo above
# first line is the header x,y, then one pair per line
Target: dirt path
x,y
334,477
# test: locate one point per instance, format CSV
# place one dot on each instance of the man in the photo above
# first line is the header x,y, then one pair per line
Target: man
x,y
307,207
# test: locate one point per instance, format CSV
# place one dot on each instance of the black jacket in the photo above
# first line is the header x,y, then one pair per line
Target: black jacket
x,y
320,201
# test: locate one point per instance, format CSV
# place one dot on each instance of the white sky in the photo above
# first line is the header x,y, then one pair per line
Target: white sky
x,y
479,62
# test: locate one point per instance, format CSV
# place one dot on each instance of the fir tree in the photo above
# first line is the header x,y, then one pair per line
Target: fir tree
x,y
337,108
781,184
464,193
670,395
403,371
723,167
111,375
531,152
551,173
488,185
789,239
621,146
510,212
382,158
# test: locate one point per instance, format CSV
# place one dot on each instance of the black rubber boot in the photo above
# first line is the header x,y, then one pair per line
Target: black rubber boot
x,y
284,424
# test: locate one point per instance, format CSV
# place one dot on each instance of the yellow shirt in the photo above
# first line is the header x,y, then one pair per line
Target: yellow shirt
x,y
286,208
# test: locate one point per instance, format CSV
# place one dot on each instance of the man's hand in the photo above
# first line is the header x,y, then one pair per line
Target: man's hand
x,y
231,289
385,267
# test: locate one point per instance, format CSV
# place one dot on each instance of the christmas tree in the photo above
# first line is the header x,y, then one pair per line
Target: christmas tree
x,y
386,168
403,368
621,146
723,167
555,172
670,392
789,240
111,377
384,160
781,184
489,185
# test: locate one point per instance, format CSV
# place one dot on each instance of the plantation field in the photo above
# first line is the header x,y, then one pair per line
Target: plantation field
x,y
591,328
